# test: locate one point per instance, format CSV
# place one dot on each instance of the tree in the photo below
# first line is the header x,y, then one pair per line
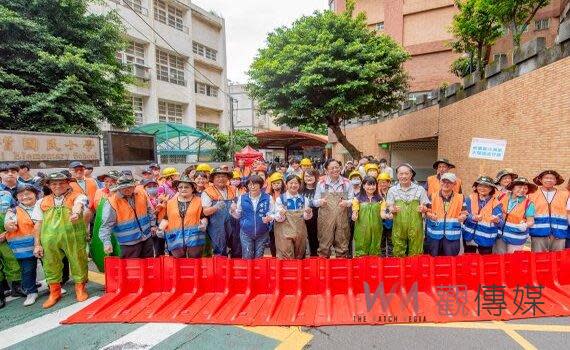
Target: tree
x,y
58,68
228,144
475,30
327,68
516,15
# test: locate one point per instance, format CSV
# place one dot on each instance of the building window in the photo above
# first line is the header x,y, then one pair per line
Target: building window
x,y
137,103
542,24
379,26
205,89
135,5
170,68
204,51
134,58
206,126
169,15
169,112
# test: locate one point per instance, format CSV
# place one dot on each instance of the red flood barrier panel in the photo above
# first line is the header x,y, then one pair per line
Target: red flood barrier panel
x,y
316,291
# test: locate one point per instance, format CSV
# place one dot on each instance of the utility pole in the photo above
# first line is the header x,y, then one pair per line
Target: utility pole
x,y
231,143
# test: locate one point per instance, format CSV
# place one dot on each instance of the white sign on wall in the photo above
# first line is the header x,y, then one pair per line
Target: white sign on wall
x,y
487,149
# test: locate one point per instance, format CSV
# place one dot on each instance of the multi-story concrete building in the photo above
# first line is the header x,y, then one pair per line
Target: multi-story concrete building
x,y
177,53
246,111
421,27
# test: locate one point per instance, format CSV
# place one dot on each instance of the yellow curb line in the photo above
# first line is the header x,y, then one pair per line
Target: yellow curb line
x,y
96,277
525,344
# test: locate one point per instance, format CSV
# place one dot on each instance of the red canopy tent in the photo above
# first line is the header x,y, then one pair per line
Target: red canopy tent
x,y
249,155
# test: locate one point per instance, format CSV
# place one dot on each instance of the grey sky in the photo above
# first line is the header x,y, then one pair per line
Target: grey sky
x,y
249,21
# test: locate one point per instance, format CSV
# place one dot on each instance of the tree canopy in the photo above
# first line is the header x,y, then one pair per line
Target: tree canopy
x,y
58,67
475,30
327,68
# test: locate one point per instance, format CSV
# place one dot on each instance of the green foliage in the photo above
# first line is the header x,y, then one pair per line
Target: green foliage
x,y
461,67
227,145
58,67
320,129
475,30
327,68
516,15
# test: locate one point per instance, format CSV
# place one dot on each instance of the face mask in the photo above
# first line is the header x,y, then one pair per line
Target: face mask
x,y
151,191
355,182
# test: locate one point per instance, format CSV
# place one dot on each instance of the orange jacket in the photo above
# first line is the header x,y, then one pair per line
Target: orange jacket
x,y
433,185
90,189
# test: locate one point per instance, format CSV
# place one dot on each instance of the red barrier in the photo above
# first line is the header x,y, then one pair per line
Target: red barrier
x,y
315,291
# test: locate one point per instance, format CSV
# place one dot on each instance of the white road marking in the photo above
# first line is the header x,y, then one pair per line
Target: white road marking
x,y
146,336
40,325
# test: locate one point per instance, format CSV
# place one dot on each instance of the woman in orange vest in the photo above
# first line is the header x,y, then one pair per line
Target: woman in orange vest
x,y
504,179
20,235
518,216
444,219
484,213
441,167
183,226
552,213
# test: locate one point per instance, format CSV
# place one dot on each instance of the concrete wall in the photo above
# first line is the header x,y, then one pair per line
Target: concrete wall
x,y
531,112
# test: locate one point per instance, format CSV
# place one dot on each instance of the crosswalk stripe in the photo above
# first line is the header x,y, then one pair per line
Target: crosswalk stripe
x,y
39,325
146,336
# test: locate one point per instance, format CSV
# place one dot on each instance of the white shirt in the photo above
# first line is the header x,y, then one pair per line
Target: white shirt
x,y
38,215
279,205
254,201
549,195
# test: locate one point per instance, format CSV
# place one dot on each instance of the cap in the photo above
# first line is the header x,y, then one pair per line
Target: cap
x,y
451,177
146,182
76,164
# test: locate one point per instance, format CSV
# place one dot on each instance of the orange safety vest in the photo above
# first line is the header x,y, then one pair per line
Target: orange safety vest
x,y
446,225
68,201
21,241
216,195
516,215
550,219
192,217
434,185
90,189
133,224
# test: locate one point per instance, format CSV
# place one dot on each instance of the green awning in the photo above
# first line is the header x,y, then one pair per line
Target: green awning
x,y
166,131
177,139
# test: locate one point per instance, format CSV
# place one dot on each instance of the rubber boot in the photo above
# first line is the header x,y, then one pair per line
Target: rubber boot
x,y
81,292
54,295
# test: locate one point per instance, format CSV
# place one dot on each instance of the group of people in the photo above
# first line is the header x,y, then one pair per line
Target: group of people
x,y
359,209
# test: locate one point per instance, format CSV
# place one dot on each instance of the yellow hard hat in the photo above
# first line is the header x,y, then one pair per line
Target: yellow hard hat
x,y
204,168
277,176
236,175
384,177
306,162
353,174
371,166
166,172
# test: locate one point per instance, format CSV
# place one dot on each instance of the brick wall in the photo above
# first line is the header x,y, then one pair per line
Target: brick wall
x,y
532,112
